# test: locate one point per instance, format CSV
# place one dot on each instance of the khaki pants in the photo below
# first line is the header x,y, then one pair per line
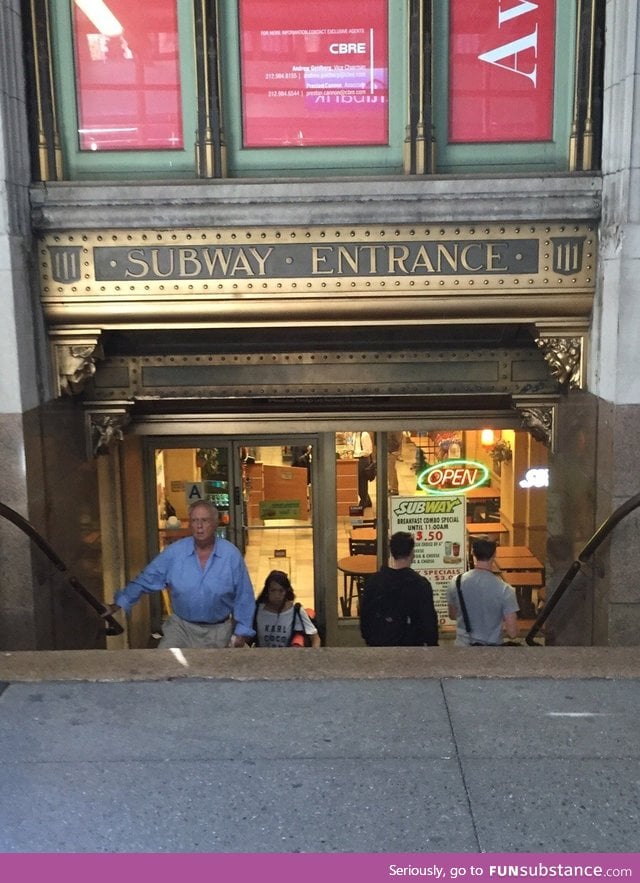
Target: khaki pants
x,y
189,635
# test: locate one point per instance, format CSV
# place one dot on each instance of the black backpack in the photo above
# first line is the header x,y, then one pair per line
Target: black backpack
x,y
383,619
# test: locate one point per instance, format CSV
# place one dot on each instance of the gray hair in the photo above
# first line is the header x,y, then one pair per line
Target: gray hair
x,y
205,504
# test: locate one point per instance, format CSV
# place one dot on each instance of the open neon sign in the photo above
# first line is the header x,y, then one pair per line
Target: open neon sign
x,y
454,475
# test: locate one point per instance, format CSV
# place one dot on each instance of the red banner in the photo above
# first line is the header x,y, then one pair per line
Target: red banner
x,y
128,79
314,74
501,70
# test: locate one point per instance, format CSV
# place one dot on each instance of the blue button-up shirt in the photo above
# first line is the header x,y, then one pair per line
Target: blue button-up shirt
x,y
198,594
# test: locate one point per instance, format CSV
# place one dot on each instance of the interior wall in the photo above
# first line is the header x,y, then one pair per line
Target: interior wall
x,y
179,461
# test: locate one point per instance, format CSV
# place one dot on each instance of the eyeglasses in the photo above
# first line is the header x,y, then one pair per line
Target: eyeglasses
x,y
200,520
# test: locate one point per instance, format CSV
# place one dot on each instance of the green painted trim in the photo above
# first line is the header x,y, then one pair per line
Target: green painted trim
x,y
316,161
142,164
512,157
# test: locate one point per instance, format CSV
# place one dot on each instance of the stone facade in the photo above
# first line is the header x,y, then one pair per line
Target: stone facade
x,y
48,477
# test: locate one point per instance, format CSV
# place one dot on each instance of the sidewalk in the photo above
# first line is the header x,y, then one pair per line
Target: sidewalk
x,y
354,750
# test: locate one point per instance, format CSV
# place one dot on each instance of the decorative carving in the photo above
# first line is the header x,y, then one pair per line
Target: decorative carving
x,y
564,357
76,367
75,362
105,429
539,422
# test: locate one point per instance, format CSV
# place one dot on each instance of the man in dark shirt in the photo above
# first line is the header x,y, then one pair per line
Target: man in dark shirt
x,y
397,603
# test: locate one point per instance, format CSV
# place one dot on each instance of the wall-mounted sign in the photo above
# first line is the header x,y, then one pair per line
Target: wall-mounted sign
x,y
314,74
270,509
453,475
501,71
194,492
438,256
319,260
535,478
438,528
199,275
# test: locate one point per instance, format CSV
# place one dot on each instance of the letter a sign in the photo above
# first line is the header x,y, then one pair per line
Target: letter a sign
x,y
194,492
501,74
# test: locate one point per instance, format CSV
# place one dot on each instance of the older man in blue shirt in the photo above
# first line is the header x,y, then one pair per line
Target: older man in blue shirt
x,y
211,593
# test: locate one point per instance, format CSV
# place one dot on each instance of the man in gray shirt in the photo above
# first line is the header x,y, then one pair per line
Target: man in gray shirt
x,y
491,603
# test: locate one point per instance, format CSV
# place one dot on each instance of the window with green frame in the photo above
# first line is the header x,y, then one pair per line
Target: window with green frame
x,y
515,30
247,158
98,158
314,160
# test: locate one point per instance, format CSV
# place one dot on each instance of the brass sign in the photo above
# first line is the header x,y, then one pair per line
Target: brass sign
x,y
447,257
178,272
423,255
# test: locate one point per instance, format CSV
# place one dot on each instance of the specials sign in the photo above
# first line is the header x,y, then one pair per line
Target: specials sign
x,y
438,528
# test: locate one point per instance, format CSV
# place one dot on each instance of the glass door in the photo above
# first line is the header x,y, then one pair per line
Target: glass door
x,y
185,475
263,493
276,513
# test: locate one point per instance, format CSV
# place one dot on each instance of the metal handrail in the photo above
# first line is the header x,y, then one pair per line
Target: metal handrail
x,y
596,540
112,626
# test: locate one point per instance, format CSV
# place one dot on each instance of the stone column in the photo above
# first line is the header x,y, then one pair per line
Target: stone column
x,y
45,475
614,374
19,386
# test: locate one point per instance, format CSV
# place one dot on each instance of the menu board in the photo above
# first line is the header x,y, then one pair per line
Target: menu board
x,y
314,74
438,528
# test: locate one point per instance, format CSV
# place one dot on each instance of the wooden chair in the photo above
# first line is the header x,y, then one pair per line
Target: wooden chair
x,y
365,523
361,547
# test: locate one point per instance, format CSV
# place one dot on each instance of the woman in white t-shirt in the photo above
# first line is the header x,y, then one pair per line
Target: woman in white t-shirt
x,y
278,621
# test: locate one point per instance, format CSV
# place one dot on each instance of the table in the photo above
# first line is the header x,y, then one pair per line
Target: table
x,y
355,568
518,562
364,533
171,534
519,567
491,529
524,583
488,527
514,551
